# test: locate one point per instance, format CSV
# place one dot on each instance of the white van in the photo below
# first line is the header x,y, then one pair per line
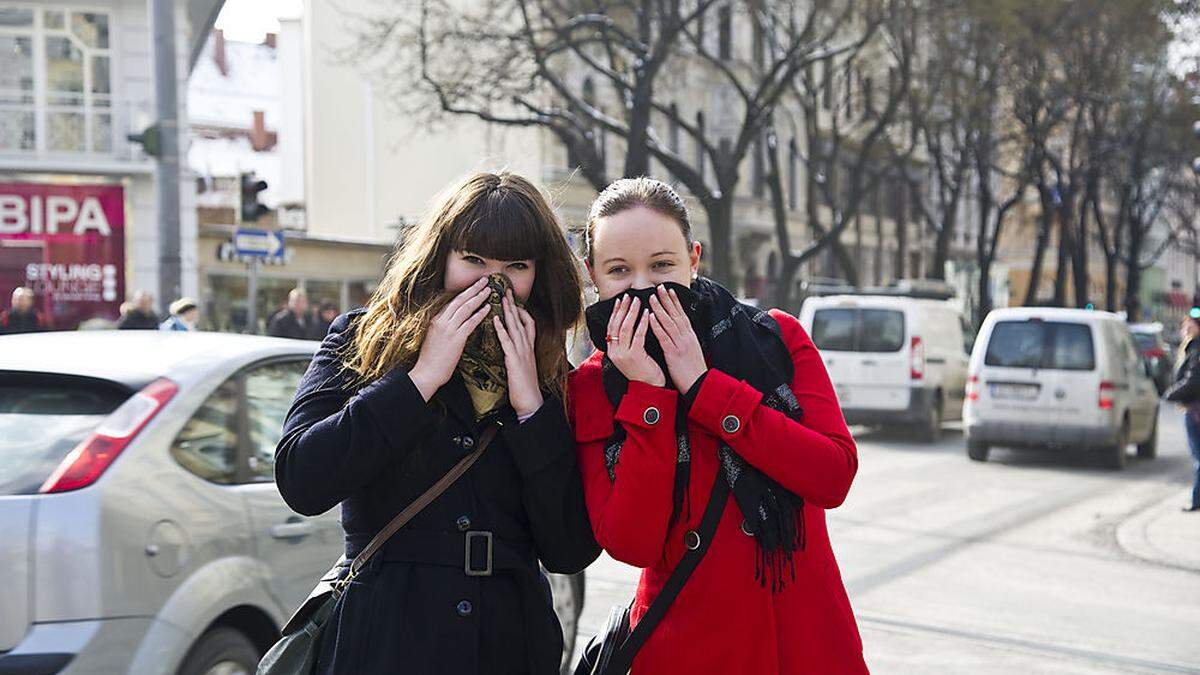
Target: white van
x,y
894,360
1053,377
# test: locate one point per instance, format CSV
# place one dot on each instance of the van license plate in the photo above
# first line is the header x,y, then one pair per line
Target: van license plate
x,y
1020,392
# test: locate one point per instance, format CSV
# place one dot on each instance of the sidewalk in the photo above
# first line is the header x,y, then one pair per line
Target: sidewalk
x,y
1164,534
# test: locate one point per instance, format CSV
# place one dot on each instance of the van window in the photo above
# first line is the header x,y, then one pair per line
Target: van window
x,y
1041,344
858,330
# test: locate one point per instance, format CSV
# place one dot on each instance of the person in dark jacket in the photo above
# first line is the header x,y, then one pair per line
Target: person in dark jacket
x,y
294,320
1186,392
399,392
22,317
141,316
327,311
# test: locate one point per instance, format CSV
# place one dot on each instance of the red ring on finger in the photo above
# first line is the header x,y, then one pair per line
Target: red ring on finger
x,y
608,338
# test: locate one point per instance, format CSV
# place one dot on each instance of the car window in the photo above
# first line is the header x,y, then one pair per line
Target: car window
x,y
880,330
207,446
1072,347
269,393
858,330
1016,344
833,329
43,418
1041,344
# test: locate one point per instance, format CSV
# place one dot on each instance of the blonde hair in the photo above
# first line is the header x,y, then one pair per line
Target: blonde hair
x,y
496,215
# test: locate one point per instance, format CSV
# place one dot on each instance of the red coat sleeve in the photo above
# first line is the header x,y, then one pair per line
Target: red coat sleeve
x,y
629,514
814,458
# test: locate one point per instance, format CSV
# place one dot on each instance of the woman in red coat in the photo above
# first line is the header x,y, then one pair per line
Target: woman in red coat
x,y
689,387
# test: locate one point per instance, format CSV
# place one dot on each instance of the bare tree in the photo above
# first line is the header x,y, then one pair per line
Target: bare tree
x,y
528,63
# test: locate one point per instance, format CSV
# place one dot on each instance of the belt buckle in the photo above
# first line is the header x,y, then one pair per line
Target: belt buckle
x,y
467,567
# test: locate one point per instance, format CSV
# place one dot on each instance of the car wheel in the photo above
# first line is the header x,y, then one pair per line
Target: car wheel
x,y
978,450
567,591
221,651
1149,449
931,429
1116,455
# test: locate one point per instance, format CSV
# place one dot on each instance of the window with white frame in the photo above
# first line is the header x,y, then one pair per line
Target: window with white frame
x,y
55,80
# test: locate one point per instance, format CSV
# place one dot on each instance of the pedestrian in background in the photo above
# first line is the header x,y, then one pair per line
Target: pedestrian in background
x,y
324,317
22,317
184,315
292,321
1186,392
141,315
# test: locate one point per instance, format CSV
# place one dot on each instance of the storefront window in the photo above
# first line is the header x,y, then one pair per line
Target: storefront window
x,y
320,291
71,111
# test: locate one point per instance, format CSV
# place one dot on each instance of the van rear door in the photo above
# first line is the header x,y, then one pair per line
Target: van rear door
x,y
866,354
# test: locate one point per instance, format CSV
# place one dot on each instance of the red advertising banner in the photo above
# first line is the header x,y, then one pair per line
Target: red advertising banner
x,y
67,243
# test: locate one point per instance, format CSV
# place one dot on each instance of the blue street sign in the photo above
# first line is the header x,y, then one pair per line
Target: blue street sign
x,y
258,243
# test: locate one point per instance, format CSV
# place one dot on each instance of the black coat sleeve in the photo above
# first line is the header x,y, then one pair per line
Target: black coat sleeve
x,y
543,449
336,438
1187,385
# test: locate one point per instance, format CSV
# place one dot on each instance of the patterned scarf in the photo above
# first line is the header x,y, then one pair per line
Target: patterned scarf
x,y
482,364
744,342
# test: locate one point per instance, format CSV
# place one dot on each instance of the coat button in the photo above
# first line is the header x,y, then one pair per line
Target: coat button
x,y
463,523
464,608
467,442
731,424
746,528
651,415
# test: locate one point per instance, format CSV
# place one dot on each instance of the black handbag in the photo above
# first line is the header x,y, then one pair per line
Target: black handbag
x,y
296,652
612,650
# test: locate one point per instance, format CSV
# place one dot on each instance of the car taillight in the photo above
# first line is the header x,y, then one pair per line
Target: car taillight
x,y
973,388
1106,400
918,358
89,460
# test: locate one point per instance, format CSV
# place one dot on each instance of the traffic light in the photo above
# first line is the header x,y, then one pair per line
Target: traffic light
x,y
252,209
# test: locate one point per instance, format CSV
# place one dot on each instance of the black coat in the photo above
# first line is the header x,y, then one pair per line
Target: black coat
x,y
14,321
1186,388
285,324
138,320
415,609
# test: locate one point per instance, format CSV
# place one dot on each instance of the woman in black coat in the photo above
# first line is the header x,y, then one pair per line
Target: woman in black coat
x,y
466,331
1186,392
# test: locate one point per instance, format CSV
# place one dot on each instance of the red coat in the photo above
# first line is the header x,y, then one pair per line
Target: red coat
x,y
724,621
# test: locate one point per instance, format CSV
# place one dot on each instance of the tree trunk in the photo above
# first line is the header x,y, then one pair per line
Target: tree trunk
x,y
1039,251
1079,262
1133,271
1060,273
720,230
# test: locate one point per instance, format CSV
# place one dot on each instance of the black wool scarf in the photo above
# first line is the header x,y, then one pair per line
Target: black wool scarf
x,y
744,342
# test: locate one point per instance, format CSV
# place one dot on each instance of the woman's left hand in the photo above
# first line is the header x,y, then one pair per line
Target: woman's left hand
x,y
518,335
681,347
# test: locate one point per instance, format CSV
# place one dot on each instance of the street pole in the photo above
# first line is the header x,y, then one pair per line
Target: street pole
x,y
252,293
162,13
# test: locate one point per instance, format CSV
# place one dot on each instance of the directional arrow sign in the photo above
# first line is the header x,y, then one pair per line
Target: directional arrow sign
x,y
261,243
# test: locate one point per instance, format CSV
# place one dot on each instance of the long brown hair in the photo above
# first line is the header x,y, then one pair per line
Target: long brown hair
x,y
495,215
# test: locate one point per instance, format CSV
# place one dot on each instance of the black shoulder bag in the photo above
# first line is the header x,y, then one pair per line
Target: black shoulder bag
x,y
612,651
296,651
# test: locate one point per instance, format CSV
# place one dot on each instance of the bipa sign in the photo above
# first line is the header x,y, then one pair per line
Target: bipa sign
x,y
52,214
67,243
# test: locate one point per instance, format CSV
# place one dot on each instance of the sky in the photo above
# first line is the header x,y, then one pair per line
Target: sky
x,y
249,20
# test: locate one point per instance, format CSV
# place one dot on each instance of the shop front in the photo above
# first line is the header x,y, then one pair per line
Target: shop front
x,y
66,242
343,272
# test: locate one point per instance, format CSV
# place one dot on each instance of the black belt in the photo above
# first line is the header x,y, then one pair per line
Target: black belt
x,y
477,552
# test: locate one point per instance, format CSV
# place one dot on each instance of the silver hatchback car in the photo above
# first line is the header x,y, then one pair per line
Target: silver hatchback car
x,y
141,528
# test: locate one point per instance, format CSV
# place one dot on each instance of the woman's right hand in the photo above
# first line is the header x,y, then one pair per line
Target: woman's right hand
x,y
447,335
627,346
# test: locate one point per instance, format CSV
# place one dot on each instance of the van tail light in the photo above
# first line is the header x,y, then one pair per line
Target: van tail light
x,y
973,388
92,457
918,358
1106,396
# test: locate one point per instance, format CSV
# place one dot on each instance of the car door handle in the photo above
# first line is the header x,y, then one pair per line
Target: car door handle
x,y
294,528
869,362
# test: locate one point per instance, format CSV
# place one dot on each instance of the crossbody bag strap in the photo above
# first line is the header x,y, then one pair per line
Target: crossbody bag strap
x,y
420,503
622,660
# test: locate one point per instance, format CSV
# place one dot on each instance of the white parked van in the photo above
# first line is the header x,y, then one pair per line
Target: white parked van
x,y
1053,377
894,360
